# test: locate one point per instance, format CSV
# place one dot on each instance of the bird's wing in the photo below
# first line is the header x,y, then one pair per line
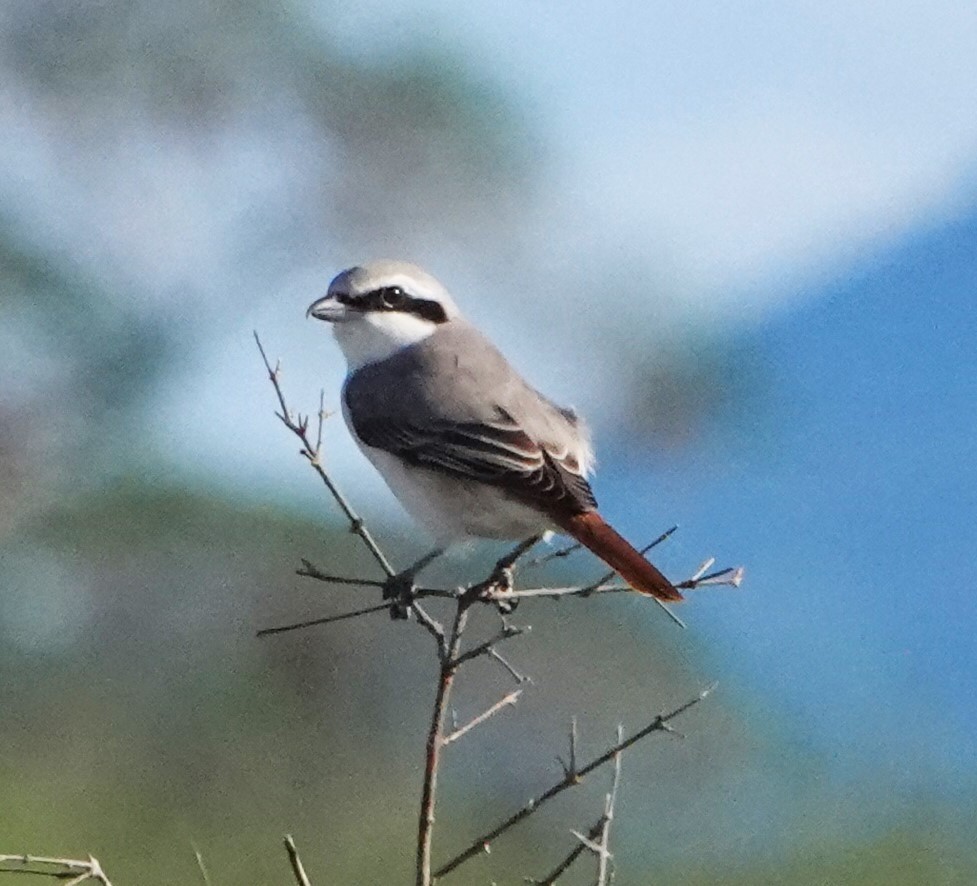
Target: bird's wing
x,y
499,453
454,404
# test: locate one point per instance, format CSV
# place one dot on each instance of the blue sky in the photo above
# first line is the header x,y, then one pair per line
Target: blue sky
x,y
852,496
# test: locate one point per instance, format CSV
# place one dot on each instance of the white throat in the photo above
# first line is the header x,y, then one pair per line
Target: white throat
x,y
370,338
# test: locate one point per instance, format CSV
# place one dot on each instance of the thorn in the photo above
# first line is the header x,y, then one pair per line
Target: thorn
x,y
707,564
596,848
668,533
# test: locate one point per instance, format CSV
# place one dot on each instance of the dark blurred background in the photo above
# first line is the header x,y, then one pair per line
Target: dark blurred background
x,y
742,242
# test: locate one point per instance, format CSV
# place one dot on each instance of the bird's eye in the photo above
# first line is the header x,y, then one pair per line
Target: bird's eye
x,y
392,297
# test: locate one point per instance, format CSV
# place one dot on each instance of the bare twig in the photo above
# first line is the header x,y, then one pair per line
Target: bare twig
x,y
516,675
298,871
731,575
448,643
597,839
487,596
570,768
601,587
505,702
557,592
323,415
587,843
567,862
328,619
604,856
431,625
308,570
572,549
558,554
72,871
300,428
484,648
482,843
452,658
435,741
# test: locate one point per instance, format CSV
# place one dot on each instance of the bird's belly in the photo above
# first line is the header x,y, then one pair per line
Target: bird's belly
x,y
451,508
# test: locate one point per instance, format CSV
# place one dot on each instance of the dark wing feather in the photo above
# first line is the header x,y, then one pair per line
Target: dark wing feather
x,y
500,454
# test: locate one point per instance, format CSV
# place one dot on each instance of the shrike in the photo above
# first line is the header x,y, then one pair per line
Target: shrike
x,y
468,447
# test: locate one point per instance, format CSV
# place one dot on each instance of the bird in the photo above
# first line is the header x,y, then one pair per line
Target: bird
x,y
470,448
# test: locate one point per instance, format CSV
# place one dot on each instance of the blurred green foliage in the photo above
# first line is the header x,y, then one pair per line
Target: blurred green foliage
x,y
141,713
108,350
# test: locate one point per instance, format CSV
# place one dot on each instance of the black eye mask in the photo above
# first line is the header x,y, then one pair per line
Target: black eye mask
x,y
393,298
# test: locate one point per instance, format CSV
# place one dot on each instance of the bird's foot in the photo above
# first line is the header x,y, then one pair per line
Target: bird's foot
x,y
400,588
501,583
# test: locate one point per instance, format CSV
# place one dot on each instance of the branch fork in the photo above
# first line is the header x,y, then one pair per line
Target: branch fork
x,y
72,872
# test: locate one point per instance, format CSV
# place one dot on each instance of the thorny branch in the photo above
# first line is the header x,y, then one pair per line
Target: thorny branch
x,y
597,838
72,871
328,619
604,870
504,702
731,576
300,427
497,590
452,658
567,862
435,742
481,844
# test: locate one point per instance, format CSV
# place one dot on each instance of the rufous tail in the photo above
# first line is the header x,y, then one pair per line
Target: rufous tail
x,y
590,529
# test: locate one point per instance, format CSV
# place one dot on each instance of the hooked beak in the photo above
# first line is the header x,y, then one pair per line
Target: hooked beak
x,y
327,308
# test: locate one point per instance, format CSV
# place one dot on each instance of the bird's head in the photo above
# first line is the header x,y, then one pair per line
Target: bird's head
x,y
378,308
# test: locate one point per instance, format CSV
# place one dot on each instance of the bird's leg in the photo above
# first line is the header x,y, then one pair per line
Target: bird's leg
x,y
401,587
505,564
500,580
